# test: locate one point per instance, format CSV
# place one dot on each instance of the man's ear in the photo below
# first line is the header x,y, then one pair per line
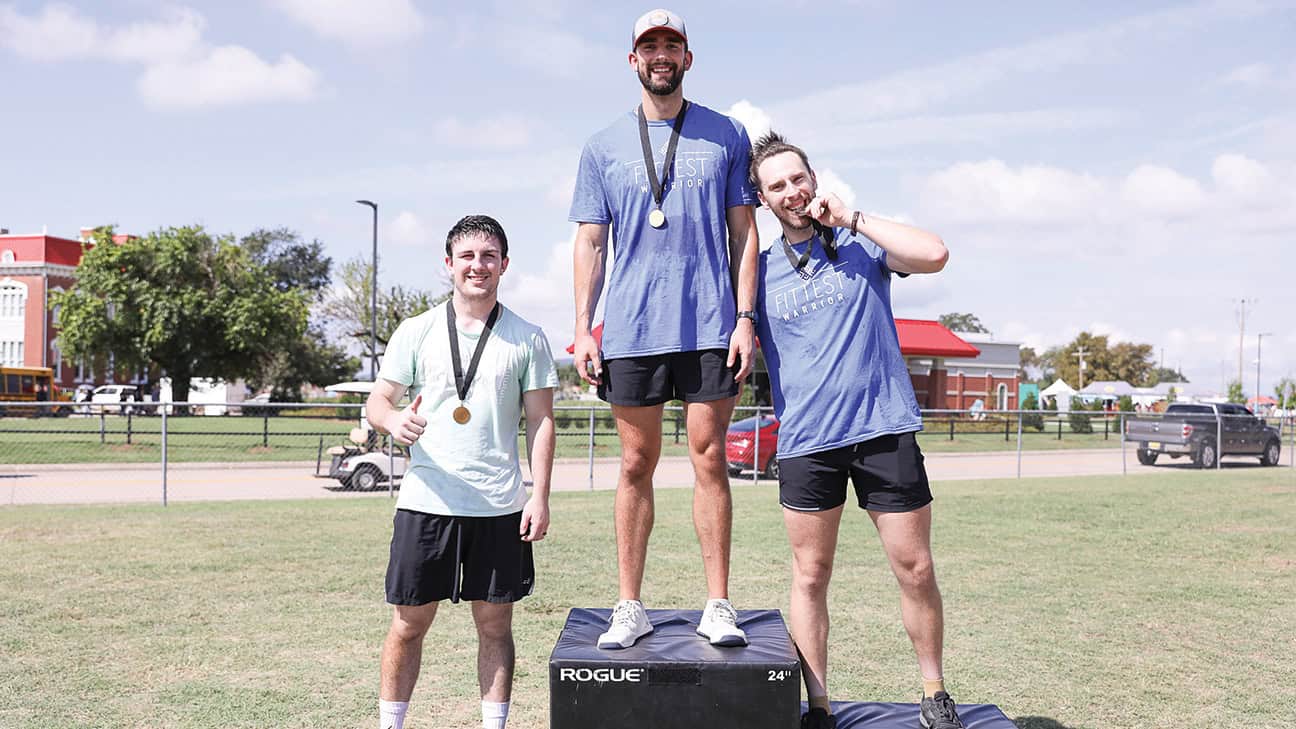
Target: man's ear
x,y
761,197
688,60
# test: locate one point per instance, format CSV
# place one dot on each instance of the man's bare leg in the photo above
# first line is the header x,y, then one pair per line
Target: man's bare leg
x,y
640,431
906,538
813,536
402,651
495,651
712,501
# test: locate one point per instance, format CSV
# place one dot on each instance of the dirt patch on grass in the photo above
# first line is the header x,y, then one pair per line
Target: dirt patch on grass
x,y
1279,564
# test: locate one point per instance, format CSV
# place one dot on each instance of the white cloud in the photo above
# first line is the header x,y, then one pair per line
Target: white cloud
x,y
1262,76
501,132
59,32
1241,176
562,54
181,70
357,22
543,295
992,193
407,229
754,119
227,75
1163,192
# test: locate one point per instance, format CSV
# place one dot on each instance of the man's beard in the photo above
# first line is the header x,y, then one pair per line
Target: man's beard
x,y
662,88
793,220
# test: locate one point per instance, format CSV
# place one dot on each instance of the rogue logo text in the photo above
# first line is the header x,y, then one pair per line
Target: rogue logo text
x,y
602,675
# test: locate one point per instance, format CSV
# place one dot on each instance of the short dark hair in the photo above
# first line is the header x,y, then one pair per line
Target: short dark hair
x,y
767,146
483,225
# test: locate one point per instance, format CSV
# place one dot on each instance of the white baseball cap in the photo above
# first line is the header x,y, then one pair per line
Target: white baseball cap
x,y
657,19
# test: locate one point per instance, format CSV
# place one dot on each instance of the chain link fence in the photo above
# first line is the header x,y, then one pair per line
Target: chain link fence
x,y
83,452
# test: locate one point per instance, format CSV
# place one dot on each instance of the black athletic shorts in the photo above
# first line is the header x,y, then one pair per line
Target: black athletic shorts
x,y
887,471
699,376
455,558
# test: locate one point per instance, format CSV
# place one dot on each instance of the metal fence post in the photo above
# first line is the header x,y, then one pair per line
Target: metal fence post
x,y
164,457
1219,438
756,449
1019,442
101,425
1124,468
591,449
130,420
951,421
1292,448
265,429
1059,418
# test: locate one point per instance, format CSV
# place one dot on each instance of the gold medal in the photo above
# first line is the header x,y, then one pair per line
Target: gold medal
x,y
461,415
657,218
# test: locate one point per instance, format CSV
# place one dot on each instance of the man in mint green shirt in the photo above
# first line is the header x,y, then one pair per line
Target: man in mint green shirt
x,y
464,523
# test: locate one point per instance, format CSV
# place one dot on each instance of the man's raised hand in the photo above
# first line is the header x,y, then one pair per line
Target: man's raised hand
x,y
407,425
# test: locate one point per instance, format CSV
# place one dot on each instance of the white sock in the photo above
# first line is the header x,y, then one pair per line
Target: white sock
x,y
494,715
391,714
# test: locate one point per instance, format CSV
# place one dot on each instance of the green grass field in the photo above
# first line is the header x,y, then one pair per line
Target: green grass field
x,y
1162,600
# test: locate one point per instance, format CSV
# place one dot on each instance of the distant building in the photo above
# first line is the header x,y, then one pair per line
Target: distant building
x,y
989,370
32,267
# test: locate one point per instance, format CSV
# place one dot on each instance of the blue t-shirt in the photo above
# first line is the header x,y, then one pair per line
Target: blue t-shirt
x,y
830,342
669,288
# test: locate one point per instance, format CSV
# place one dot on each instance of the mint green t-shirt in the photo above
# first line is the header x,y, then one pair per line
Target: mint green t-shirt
x,y
470,469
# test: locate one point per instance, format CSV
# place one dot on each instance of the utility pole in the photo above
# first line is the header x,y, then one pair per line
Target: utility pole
x,y
1081,354
1259,340
1242,307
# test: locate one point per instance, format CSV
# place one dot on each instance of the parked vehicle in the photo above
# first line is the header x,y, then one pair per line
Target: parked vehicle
x,y
116,398
741,446
363,463
1205,432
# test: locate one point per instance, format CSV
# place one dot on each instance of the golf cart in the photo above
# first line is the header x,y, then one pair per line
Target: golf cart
x,y
363,463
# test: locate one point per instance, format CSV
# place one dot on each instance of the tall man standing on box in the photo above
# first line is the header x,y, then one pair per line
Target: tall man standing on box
x,y
464,524
669,182
846,410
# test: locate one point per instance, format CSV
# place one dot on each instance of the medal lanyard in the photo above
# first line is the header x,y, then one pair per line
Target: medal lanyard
x,y
799,262
464,381
659,186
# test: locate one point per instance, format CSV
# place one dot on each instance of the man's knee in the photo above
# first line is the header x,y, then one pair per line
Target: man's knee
x,y
411,623
494,626
810,576
917,573
637,465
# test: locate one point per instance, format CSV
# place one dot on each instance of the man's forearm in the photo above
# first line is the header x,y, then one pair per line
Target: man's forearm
x,y
541,441
744,244
587,276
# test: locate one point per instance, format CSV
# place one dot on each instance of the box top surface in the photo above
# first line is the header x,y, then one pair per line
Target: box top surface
x,y
675,640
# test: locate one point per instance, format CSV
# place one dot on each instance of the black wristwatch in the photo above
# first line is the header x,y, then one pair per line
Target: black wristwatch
x,y
749,315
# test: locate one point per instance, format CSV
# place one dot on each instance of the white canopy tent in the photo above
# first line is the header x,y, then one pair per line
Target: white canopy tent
x,y
1061,392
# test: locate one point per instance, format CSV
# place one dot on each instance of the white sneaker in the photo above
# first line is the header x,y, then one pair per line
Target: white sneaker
x,y
719,624
629,623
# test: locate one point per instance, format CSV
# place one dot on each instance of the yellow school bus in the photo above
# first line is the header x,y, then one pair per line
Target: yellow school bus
x,y
27,384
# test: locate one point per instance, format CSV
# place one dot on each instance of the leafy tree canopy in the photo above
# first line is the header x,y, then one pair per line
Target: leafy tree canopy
x,y
957,322
179,299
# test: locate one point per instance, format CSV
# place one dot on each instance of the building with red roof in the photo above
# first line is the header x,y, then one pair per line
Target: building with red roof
x,y
32,268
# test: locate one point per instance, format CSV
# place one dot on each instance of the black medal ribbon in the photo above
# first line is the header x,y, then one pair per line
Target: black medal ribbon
x,y
825,234
659,186
464,380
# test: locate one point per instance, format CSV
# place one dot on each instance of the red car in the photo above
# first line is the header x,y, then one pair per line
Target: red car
x,y
742,451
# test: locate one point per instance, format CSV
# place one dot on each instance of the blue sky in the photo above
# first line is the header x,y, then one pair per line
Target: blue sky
x,y
1119,168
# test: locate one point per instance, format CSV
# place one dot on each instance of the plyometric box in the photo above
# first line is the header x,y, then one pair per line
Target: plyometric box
x,y
673,677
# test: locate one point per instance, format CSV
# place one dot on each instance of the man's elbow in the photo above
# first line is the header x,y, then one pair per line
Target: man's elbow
x,y
939,256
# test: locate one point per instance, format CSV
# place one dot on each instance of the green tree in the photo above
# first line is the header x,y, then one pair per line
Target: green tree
x,y
314,359
1166,374
350,305
181,300
1125,361
1235,393
957,322
1285,393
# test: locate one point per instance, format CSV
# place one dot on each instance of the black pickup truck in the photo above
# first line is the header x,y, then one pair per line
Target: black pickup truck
x,y
1204,431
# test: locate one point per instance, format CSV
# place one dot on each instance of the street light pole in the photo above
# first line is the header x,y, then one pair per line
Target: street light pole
x,y
1259,341
373,311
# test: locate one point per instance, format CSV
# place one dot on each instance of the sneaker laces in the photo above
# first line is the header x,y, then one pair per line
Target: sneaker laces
x,y
723,611
624,614
946,714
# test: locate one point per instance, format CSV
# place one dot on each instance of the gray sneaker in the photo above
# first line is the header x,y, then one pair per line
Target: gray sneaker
x,y
629,623
938,712
719,624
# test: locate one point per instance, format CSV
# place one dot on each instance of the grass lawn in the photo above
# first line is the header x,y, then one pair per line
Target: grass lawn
x,y
1080,602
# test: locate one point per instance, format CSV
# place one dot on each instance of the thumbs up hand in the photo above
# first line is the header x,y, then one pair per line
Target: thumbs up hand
x,y
407,425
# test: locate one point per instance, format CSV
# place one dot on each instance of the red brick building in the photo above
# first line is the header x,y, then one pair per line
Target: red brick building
x,y
32,267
